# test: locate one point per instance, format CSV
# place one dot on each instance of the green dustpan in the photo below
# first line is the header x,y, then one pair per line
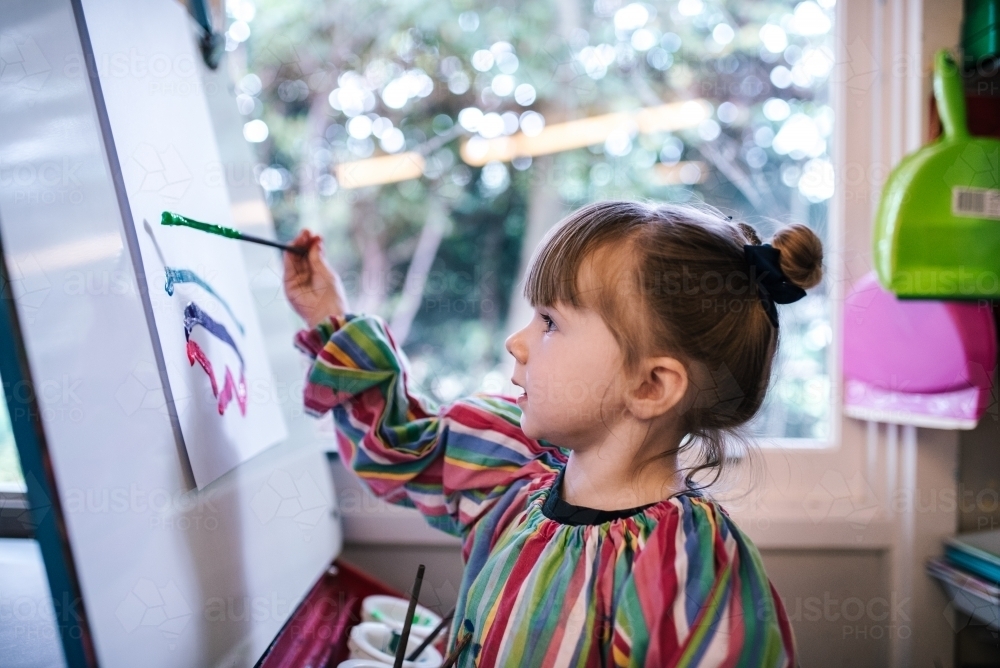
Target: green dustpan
x,y
937,231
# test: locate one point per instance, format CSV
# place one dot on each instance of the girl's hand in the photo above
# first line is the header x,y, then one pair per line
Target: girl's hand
x,y
313,288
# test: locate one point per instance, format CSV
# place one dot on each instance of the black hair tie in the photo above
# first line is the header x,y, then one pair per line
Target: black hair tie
x,y
772,284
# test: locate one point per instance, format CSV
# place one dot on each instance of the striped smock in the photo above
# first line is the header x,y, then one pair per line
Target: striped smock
x,y
546,583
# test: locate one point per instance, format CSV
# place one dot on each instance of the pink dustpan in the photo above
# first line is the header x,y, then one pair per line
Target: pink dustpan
x,y
920,362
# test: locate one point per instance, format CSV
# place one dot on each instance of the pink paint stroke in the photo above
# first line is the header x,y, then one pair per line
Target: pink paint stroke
x,y
229,389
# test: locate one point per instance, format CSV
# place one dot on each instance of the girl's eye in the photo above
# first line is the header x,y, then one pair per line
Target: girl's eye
x,y
548,322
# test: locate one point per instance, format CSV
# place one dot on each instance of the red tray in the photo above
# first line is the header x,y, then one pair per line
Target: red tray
x,y
316,634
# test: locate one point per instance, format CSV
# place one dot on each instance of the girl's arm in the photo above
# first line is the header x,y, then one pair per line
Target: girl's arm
x,y
452,463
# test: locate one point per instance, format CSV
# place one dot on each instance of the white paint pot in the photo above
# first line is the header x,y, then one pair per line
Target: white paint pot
x,y
370,640
391,611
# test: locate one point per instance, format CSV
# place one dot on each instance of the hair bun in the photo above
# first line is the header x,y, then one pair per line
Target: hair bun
x,y
749,233
801,254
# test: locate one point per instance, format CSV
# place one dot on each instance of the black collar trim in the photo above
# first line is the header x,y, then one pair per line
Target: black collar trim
x,y
555,508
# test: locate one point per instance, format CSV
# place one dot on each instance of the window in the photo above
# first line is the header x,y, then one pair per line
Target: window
x,y
403,131
11,478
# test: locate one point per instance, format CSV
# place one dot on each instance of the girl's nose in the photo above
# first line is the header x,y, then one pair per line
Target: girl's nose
x,y
515,347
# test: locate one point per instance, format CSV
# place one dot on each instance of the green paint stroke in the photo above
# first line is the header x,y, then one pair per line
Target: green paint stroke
x,y
173,219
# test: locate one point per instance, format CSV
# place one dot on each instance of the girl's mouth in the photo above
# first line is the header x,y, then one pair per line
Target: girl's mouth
x,y
524,392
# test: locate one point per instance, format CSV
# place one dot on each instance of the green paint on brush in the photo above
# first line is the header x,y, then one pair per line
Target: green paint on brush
x,y
173,219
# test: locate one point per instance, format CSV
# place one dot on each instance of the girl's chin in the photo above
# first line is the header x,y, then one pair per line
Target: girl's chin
x,y
533,425
528,429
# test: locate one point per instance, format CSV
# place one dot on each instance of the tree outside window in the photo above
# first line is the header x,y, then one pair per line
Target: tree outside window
x,y
721,102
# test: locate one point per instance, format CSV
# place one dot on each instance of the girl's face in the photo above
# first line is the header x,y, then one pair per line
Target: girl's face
x,y
568,364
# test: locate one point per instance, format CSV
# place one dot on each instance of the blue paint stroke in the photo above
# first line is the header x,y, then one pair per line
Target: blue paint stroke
x,y
175,276
194,316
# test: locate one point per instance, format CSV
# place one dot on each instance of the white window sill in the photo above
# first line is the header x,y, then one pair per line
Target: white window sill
x,y
798,531
367,520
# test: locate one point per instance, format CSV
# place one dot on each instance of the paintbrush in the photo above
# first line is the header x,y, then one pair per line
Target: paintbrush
x,y
462,644
429,639
405,635
173,219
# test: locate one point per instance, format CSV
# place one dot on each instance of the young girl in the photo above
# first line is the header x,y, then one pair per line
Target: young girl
x,y
654,331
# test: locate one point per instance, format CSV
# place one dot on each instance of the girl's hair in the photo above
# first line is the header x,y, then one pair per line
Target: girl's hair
x,y
674,279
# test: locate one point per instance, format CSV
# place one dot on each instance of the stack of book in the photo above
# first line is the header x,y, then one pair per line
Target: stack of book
x,y
970,574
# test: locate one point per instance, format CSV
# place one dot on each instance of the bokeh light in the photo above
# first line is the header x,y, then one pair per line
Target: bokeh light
x,y
424,83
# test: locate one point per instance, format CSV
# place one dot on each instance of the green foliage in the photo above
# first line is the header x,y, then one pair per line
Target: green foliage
x,y
762,155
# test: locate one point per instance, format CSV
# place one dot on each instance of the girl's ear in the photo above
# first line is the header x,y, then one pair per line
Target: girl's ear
x,y
661,385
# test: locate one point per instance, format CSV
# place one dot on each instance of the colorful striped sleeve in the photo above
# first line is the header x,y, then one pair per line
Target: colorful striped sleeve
x,y
702,598
451,462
